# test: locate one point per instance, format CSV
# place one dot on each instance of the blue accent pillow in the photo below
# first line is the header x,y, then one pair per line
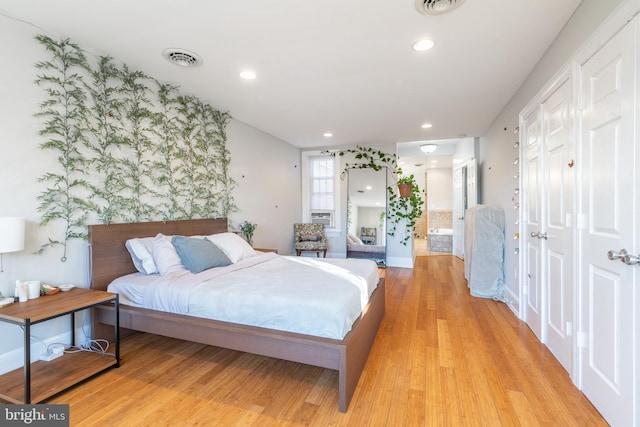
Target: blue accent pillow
x,y
198,255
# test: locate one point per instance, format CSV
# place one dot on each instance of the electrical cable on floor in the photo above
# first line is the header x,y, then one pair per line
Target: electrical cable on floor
x,y
95,346
92,345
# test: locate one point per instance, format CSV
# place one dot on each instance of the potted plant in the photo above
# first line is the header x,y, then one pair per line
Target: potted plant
x,y
247,228
405,185
406,207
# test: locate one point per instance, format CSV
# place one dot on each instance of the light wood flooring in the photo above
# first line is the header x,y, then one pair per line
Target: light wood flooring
x,y
441,358
420,245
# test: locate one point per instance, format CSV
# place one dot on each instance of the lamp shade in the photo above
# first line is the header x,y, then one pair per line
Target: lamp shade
x,y
11,234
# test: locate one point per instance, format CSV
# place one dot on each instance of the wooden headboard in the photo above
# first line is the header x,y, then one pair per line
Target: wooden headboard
x,y
110,258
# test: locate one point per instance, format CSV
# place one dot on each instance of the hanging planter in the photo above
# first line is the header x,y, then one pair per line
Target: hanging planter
x,y
405,190
405,185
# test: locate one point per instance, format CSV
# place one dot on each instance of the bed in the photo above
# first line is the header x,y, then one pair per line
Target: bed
x,y
110,260
356,248
365,251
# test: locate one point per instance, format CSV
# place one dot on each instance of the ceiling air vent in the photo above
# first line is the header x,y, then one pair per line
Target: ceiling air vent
x,y
182,57
437,7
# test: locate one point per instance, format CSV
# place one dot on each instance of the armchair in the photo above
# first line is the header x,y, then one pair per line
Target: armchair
x,y
310,237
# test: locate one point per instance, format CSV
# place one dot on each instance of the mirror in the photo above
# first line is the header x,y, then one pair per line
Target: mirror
x,y
367,215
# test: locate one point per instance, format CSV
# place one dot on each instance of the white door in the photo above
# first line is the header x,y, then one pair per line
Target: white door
x,y
472,184
532,211
557,228
458,213
607,222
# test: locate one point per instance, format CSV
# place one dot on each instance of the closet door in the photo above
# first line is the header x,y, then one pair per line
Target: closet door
x,y
557,228
532,212
609,188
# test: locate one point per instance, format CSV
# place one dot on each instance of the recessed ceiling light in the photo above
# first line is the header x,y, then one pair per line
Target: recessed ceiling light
x,y
423,45
368,187
182,57
426,126
248,75
328,134
434,161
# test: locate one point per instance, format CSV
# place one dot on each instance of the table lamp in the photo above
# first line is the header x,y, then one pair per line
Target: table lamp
x,y
11,236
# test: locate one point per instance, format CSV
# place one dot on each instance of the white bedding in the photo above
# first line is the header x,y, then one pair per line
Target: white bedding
x,y
320,297
365,248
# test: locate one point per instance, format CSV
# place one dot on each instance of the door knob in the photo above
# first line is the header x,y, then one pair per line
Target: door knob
x,y
612,255
631,259
538,235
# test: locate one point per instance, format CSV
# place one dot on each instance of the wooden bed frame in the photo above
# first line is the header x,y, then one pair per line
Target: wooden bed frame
x,y
110,259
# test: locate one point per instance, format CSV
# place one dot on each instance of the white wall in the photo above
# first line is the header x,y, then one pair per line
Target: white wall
x,y
440,189
466,149
495,166
267,171
269,192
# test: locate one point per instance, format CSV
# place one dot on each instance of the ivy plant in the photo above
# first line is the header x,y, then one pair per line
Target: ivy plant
x,y
64,113
165,164
136,168
129,148
105,113
399,208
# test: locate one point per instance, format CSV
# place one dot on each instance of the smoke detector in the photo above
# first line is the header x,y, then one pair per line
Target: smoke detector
x,y
182,57
437,7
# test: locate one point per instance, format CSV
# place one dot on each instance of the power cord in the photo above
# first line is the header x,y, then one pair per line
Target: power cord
x,y
96,346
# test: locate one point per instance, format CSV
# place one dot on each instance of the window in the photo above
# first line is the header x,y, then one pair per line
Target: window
x,y
321,201
322,191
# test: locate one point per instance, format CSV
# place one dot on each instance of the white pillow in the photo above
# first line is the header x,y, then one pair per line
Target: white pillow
x,y
141,250
165,256
356,240
233,246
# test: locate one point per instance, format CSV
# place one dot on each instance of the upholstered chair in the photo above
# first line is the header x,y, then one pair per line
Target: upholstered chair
x,y
310,237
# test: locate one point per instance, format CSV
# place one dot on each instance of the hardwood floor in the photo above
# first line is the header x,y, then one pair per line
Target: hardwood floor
x,y
441,358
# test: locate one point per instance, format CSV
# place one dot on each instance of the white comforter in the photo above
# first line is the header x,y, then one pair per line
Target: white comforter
x,y
320,297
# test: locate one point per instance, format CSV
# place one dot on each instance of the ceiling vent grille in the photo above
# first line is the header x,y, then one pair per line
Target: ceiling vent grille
x,y
437,7
182,57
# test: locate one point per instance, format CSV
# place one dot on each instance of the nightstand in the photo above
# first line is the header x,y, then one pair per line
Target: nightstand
x,y
41,380
265,250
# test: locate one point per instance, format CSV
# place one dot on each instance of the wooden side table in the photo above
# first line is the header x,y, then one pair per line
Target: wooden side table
x,y
59,374
265,250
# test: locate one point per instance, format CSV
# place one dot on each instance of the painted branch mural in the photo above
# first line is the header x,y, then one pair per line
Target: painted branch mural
x,y
128,147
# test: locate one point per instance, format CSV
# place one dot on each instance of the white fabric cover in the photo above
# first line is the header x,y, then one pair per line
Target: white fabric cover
x,y
374,249
319,297
484,251
356,240
165,256
141,250
234,246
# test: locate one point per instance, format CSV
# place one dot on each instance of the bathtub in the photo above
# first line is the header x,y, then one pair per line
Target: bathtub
x,y
440,239
440,232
